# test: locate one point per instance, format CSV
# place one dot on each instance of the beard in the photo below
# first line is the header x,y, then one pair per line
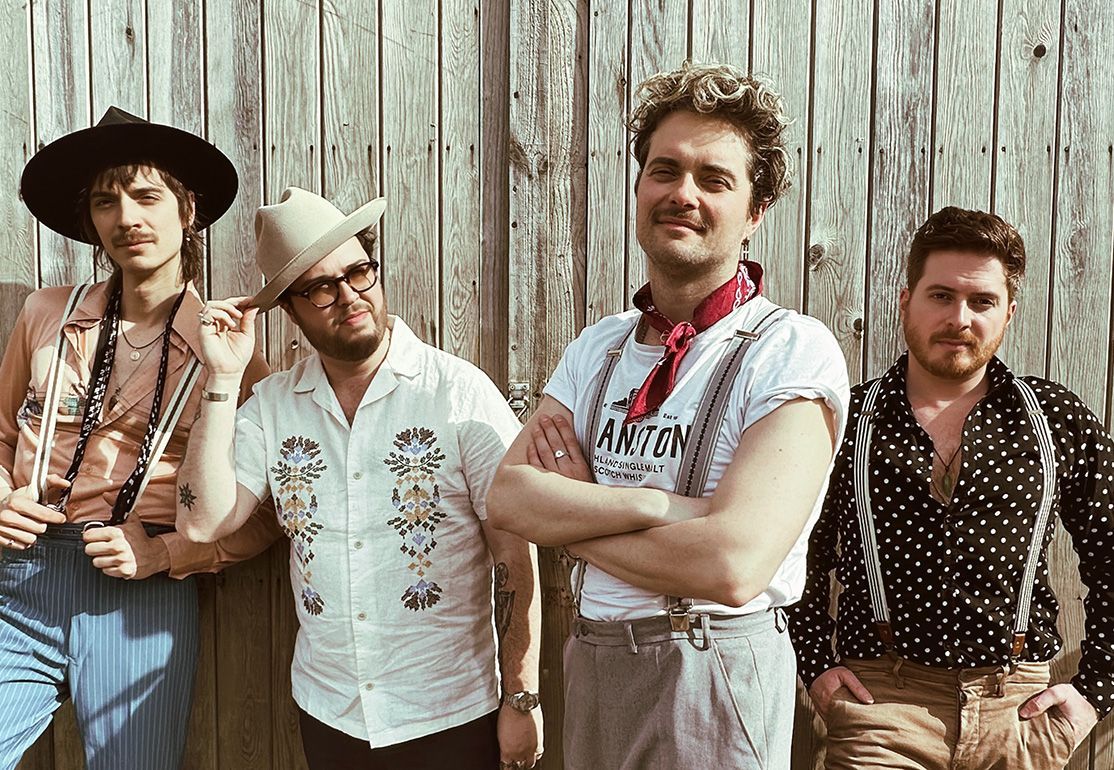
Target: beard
x,y
952,364
343,345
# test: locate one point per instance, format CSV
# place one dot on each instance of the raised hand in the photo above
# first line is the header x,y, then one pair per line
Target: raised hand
x,y
227,335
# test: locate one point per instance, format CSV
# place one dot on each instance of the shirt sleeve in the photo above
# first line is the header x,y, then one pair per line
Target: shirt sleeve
x,y
1087,510
562,384
486,427
799,359
251,449
811,625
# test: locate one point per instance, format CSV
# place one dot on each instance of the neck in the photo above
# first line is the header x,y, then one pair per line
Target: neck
x,y
346,375
678,295
148,299
924,388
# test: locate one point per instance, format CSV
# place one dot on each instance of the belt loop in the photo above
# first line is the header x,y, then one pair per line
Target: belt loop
x,y
630,638
898,660
705,630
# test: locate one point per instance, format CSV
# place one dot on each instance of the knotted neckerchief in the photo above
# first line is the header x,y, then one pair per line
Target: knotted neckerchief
x,y
98,386
677,338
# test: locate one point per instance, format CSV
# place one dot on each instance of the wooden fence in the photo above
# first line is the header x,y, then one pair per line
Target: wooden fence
x,y
495,130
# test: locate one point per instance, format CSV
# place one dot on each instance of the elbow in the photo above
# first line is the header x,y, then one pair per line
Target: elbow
x,y
734,585
502,502
194,531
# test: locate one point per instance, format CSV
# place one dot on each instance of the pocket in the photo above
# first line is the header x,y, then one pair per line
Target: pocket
x,y
1063,734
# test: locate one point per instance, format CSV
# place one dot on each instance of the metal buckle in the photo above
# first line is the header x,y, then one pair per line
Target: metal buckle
x,y
92,525
679,619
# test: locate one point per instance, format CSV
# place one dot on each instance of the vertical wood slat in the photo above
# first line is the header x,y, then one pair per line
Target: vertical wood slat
x,y
964,139
608,183
1026,99
840,178
462,281
60,84
899,171
1083,244
721,31
118,32
780,52
540,274
411,160
659,42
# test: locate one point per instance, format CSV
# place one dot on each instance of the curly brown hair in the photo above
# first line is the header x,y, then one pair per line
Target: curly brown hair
x,y
747,102
193,247
956,229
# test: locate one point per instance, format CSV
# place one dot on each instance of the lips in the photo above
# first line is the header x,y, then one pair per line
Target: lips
x,y
680,222
354,318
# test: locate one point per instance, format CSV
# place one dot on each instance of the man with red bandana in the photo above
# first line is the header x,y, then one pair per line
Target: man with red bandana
x,y
680,454
937,521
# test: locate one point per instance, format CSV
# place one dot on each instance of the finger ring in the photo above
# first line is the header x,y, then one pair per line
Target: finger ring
x,y
559,454
207,321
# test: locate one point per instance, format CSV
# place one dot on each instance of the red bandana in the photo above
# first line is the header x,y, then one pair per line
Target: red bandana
x,y
677,338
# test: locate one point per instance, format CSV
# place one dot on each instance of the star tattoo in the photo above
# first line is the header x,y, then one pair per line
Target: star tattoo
x,y
186,497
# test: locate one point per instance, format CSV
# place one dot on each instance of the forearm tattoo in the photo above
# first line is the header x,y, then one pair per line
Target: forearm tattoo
x,y
186,496
504,600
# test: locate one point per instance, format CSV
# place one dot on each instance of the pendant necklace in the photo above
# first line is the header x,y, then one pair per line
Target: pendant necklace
x,y
947,480
135,354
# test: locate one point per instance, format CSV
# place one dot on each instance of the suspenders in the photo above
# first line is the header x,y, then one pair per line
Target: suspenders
x,y
860,473
169,419
696,460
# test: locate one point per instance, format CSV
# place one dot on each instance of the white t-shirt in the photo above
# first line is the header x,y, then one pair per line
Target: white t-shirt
x,y
391,575
797,357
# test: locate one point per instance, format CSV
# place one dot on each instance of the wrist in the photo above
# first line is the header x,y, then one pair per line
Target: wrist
x,y
524,701
224,382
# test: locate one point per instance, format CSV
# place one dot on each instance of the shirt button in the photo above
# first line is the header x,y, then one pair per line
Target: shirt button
x,y
358,544
369,686
357,475
362,616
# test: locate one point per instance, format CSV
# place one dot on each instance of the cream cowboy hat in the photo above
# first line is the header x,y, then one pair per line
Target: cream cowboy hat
x,y
299,231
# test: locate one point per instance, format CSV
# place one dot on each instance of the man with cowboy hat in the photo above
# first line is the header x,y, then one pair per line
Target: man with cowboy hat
x,y
377,450
98,387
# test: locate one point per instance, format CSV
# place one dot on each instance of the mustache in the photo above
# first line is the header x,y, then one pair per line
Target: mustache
x,y
680,215
354,310
963,339
130,238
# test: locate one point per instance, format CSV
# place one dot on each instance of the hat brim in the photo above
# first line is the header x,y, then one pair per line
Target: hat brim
x,y
356,222
54,178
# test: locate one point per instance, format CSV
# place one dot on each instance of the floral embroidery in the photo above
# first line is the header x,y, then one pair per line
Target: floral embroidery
x,y
417,498
296,505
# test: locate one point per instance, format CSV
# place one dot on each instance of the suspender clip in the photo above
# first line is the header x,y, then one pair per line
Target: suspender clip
x,y
1016,647
679,618
886,634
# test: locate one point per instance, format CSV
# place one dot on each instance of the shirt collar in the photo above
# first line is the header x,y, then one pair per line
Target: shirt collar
x,y
894,396
90,311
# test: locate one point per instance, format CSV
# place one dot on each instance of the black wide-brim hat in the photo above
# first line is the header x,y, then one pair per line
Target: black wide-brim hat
x,y
55,177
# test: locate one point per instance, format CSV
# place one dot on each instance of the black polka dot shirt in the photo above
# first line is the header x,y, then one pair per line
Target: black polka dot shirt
x,y
951,572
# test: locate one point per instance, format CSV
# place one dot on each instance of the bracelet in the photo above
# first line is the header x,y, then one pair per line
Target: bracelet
x,y
208,395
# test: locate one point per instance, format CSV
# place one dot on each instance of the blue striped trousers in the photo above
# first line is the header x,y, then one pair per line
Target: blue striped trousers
x,y
124,651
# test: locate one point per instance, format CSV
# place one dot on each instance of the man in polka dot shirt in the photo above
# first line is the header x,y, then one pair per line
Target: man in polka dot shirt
x,y
950,467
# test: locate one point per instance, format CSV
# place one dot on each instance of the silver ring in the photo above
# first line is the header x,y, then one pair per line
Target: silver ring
x,y
207,321
559,454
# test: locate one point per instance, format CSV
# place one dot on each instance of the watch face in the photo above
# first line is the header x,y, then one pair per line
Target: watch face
x,y
524,701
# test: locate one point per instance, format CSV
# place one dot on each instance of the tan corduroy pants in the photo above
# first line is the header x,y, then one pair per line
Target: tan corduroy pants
x,y
926,718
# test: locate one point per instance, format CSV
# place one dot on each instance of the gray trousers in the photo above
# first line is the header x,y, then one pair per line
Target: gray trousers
x,y
639,696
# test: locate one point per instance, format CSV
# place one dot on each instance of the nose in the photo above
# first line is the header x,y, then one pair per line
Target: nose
x,y
129,212
685,192
346,295
960,315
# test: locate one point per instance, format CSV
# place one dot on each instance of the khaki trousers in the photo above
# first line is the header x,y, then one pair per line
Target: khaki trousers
x,y
927,718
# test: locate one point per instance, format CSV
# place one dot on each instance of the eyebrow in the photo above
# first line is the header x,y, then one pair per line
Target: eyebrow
x,y
326,278
945,287
715,168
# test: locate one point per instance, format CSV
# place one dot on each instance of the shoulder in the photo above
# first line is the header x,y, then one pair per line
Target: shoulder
x,y
1063,408
48,302
609,329
280,384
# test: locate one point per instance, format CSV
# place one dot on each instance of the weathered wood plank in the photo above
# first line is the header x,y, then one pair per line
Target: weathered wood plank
x,y
609,189
411,160
780,51
1025,164
60,81
461,208
659,43
721,32
1083,242
965,69
900,165
118,35
495,189
19,268
841,150
542,72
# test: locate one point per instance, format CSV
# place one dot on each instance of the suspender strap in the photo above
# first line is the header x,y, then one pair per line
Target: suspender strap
x,y
49,422
696,462
1039,421
591,430
865,514
860,471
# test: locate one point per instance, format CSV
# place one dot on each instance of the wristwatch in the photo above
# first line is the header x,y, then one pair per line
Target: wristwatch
x,y
524,701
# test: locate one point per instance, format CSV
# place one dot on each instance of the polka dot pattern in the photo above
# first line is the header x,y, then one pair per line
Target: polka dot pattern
x,y
952,571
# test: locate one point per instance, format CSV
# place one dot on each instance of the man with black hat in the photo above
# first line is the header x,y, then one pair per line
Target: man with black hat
x,y
378,451
98,387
